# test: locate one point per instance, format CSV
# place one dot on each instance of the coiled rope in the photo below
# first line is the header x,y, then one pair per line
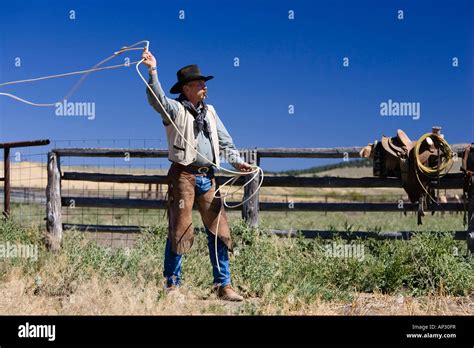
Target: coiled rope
x,y
443,166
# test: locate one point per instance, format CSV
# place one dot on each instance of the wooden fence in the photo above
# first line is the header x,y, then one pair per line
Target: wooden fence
x,y
6,168
251,209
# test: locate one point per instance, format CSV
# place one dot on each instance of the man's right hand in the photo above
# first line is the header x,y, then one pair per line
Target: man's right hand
x,y
148,59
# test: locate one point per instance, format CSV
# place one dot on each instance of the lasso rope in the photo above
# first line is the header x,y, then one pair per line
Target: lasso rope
x,y
256,170
448,157
74,88
441,169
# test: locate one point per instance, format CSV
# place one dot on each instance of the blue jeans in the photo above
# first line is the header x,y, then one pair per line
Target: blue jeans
x,y
173,262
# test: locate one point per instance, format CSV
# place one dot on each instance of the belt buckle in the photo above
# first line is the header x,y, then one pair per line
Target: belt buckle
x,y
203,170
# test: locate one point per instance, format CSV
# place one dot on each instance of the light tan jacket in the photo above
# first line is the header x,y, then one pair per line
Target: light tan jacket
x,y
183,152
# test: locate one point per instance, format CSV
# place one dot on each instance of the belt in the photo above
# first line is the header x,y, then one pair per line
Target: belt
x,y
195,169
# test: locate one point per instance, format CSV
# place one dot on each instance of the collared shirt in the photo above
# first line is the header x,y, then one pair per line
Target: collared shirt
x,y
204,144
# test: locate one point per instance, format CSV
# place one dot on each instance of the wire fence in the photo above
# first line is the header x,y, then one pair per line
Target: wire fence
x,y
29,180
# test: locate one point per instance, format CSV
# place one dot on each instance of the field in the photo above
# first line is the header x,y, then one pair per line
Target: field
x,y
430,274
104,273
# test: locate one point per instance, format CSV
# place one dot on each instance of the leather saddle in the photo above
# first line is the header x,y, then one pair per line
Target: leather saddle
x,y
395,157
399,145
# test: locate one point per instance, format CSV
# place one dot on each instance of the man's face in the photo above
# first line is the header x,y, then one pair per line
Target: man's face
x,y
195,91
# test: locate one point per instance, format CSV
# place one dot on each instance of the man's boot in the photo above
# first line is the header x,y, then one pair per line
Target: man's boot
x,y
226,293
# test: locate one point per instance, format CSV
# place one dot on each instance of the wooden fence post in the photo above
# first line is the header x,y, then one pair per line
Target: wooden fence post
x,y
6,180
53,203
250,209
470,221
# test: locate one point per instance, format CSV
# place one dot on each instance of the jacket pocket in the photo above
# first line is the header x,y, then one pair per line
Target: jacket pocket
x,y
178,148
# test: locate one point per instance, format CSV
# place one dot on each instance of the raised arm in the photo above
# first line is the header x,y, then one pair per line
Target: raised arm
x,y
167,104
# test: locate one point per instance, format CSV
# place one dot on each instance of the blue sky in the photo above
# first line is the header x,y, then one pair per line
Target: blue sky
x,y
282,62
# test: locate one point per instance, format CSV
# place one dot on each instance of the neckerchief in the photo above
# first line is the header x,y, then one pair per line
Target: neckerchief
x,y
199,113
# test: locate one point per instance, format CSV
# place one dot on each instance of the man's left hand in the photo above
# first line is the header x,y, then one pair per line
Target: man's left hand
x,y
245,167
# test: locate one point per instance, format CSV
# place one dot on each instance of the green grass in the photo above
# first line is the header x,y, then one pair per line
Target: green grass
x,y
265,266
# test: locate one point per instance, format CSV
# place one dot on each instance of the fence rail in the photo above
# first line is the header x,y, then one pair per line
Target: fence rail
x,y
405,235
95,202
335,152
6,168
450,181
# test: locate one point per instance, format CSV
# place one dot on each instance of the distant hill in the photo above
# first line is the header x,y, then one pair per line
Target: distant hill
x,y
358,163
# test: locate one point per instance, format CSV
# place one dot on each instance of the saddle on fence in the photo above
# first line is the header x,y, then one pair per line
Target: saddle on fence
x,y
467,166
402,158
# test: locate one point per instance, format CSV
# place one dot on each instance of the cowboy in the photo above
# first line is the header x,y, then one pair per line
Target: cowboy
x,y
191,176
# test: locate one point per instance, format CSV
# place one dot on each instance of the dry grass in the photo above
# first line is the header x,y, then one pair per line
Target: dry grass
x,y
122,297
34,175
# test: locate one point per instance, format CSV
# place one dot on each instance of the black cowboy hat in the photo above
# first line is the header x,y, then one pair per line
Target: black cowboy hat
x,y
187,74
